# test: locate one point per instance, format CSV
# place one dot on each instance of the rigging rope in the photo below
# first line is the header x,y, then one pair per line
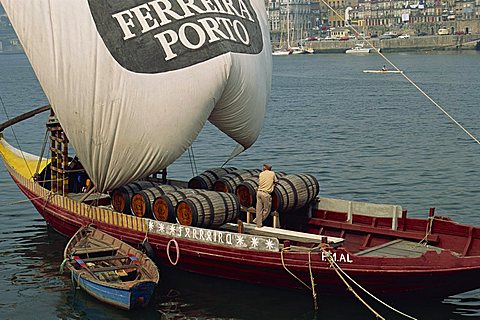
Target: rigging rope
x,y
191,162
42,152
15,137
194,161
405,76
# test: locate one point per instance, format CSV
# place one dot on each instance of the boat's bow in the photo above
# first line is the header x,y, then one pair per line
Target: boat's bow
x,y
23,163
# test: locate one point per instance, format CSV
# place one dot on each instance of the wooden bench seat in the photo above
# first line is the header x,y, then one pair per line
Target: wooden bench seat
x,y
114,268
92,250
106,258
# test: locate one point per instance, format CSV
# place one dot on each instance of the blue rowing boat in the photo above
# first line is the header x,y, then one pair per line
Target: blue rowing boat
x,y
110,270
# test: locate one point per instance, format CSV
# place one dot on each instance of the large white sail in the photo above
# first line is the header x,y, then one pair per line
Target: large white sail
x,y
133,81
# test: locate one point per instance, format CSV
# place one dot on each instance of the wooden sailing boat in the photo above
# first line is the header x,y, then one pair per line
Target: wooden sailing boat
x,y
101,88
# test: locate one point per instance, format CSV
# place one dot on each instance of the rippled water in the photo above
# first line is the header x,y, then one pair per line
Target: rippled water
x,y
366,137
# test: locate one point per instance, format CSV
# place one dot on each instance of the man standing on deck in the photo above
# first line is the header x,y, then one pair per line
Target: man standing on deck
x,y
266,183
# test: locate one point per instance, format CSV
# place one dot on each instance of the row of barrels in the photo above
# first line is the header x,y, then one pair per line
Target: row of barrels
x,y
292,191
200,208
213,198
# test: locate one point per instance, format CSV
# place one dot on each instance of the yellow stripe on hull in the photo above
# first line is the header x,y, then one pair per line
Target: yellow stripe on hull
x,y
24,163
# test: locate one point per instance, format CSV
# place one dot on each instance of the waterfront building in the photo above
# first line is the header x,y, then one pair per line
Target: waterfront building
x,y
289,19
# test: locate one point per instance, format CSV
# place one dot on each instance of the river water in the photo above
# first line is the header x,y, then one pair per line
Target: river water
x,y
366,137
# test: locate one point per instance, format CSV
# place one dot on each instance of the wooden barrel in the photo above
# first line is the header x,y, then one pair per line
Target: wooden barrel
x,y
142,201
206,179
164,206
121,196
208,209
229,182
294,191
246,191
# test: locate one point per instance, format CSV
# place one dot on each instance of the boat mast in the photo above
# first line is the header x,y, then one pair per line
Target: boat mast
x,y
288,24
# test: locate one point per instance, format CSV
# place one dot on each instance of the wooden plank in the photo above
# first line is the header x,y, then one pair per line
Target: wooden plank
x,y
91,250
364,252
114,268
284,234
412,235
107,258
398,248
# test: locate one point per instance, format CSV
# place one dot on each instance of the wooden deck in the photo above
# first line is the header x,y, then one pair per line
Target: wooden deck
x,y
398,248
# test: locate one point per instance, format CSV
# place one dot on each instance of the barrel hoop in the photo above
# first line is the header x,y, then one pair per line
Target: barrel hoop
x,y
295,197
210,204
129,187
213,173
278,192
176,199
307,183
225,206
235,207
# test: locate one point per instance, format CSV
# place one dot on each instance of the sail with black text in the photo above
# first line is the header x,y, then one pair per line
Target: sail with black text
x,y
133,82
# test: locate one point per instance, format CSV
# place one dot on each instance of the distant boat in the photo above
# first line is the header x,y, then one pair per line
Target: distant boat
x,y
301,50
282,52
359,49
292,51
110,270
382,71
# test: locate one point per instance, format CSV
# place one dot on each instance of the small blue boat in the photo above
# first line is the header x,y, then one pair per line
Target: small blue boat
x,y
110,270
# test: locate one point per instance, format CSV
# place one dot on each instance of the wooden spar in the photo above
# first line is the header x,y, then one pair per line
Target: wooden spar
x,y
24,116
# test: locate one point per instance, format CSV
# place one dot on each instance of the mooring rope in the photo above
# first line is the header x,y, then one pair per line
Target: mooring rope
x,y
291,273
342,275
437,105
62,265
339,270
428,231
314,293
349,287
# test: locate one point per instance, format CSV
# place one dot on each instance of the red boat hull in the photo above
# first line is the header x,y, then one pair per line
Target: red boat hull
x,y
431,275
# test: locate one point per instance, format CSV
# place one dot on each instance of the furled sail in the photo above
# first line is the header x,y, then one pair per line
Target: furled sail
x,y
133,81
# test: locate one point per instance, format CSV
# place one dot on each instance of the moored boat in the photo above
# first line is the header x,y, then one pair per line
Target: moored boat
x,y
134,87
385,251
359,49
110,270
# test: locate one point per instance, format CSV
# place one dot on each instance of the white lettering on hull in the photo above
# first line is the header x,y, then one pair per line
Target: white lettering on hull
x,y
337,257
217,237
